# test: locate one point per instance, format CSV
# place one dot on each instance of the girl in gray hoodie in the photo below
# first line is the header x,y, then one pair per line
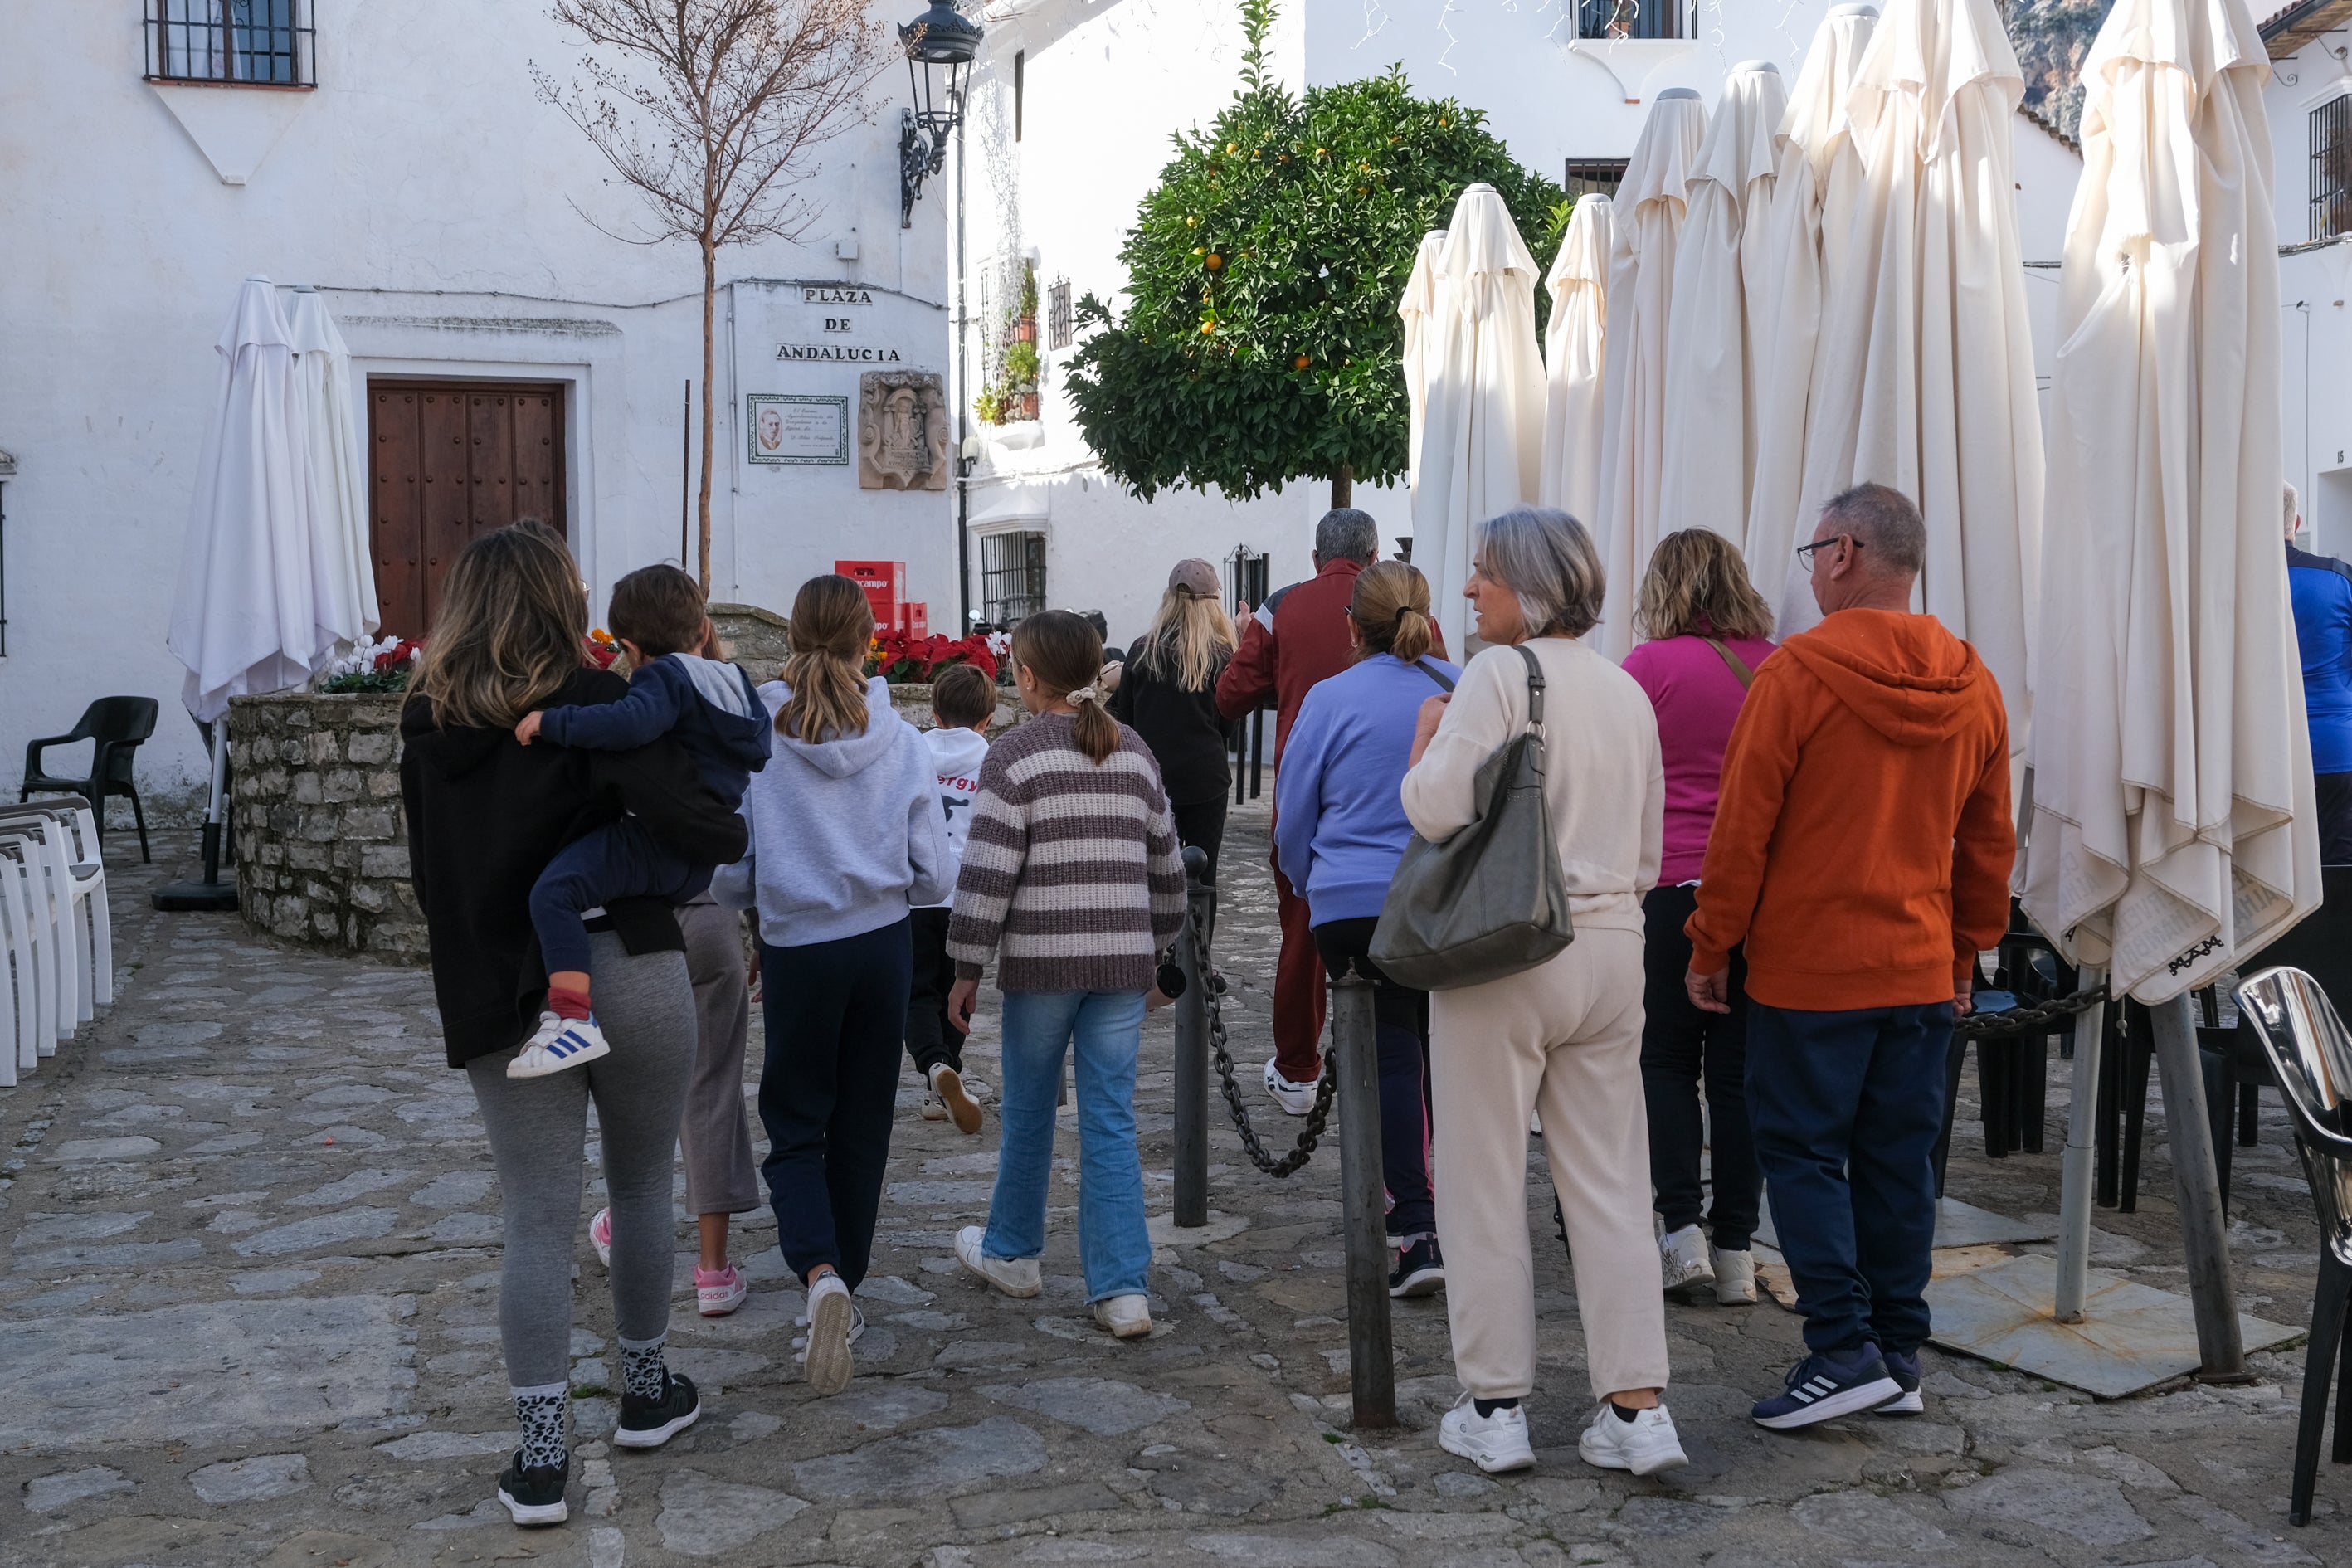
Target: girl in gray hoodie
x,y
846,837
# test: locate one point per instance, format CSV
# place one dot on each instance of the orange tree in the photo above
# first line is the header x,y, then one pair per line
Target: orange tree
x,y
1260,342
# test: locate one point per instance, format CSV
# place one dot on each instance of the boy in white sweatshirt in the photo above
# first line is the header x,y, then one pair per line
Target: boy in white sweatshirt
x,y
964,704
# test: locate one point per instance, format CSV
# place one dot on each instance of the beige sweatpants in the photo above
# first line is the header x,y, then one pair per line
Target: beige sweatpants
x,y
1564,1039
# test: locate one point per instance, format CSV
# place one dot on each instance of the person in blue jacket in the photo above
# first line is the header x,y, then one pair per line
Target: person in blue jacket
x,y
1339,830
2321,589
719,721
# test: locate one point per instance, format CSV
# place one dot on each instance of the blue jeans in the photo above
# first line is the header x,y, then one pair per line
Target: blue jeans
x,y
1846,1108
1106,1030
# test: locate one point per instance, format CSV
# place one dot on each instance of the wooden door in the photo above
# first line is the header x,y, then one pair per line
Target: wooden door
x,y
448,460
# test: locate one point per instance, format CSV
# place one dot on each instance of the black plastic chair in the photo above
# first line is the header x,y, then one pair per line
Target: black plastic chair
x,y
2311,1052
118,725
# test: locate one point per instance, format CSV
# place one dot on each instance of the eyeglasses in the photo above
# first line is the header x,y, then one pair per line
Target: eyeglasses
x,y
1805,552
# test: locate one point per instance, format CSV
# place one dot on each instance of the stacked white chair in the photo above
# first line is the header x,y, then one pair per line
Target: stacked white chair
x,y
54,925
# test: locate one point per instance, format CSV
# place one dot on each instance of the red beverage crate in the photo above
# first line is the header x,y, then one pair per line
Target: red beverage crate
x,y
885,582
915,618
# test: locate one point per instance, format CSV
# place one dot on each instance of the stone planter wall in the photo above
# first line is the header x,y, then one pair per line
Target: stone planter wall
x,y
322,847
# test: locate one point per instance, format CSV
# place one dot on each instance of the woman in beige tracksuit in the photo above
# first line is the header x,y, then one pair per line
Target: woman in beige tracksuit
x,y
1562,1040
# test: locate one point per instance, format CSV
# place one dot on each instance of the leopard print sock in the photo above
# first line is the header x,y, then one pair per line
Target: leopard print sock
x,y
644,1373
545,1414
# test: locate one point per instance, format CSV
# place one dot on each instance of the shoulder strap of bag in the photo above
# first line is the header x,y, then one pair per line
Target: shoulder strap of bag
x,y
1535,689
1433,675
1732,660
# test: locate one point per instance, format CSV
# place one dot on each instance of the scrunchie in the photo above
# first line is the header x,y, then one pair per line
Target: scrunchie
x,y
1084,694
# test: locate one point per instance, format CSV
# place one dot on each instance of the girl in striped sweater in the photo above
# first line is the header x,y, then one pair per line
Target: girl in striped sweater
x,y
1072,869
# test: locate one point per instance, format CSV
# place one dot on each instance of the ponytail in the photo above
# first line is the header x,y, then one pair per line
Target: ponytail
x,y
1390,609
1413,636
1065,653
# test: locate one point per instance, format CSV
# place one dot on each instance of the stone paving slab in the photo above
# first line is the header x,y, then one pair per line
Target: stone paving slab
x,y
249,1314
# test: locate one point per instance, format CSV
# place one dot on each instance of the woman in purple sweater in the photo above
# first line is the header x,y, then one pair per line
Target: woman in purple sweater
x,y
1339,830
1709,630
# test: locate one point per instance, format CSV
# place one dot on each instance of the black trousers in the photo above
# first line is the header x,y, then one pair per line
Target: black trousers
x,y
836,1016
2334,792
931,1036
1201,824
1681,1046
1401,1023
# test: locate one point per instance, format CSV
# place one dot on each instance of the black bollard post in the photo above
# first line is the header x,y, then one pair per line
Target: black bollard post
x,y
1192,1055
1355,1046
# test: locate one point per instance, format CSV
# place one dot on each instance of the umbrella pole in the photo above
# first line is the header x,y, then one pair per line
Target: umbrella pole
x,y
2198,1184
2076,1170
211,893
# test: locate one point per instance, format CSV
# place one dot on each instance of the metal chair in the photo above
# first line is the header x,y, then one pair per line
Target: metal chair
x,y
2311,1051
118,725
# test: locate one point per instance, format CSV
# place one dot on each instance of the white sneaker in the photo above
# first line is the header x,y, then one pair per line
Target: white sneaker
x,y
934,1108
1735,1278
959,1104
1645,1444
1494,1443
1296,1098
830,1315
857,1331
1683,1256
1014,1276
1127,1317
559,1043
600,1236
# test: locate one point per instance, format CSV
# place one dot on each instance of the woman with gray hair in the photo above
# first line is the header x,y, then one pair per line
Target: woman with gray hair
x,y
1562,1039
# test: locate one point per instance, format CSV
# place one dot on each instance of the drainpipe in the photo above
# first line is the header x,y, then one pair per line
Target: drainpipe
x,y
964,401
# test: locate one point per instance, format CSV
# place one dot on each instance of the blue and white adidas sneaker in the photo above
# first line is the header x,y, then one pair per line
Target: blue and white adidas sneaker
x,y
558,1044
1823,1387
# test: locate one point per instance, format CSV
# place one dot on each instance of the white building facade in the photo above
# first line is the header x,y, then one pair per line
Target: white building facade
x,y
2310,103
508,347
1073,108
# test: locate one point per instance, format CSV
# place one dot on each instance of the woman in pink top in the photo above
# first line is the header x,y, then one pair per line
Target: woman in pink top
x,y
1709,630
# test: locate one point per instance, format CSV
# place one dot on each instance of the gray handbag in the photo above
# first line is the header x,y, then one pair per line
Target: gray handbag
x,y
1488,901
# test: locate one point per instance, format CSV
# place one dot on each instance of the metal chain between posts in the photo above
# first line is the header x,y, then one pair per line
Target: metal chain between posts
x,y
2028,1020
1311,1133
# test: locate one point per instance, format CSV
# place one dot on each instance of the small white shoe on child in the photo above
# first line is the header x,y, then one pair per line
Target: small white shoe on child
x,y
558,1044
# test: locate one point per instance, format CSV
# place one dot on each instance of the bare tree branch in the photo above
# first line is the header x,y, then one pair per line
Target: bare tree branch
x,y
711,112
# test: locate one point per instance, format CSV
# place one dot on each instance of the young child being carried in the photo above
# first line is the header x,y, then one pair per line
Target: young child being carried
x,y
964,704
657,616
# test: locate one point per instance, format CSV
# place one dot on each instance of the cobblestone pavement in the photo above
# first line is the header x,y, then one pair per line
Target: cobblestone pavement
x,y
248,1315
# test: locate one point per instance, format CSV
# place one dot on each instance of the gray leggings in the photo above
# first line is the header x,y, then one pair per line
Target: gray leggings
x,y
538,1129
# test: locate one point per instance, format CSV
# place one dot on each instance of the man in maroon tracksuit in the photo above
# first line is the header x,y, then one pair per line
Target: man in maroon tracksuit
x,y
1299,637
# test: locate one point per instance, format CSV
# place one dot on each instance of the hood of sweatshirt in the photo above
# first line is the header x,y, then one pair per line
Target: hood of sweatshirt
x,y
843,757
957,751
1903,675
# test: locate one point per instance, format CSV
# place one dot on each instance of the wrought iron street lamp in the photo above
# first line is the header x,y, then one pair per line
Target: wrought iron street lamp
x,y
940,45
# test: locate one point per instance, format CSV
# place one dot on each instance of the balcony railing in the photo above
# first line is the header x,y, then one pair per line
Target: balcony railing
x,y
244,43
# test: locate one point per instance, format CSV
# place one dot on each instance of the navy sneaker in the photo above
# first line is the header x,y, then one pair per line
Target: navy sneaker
x,y
1905,1371
1420,1271
1823,1387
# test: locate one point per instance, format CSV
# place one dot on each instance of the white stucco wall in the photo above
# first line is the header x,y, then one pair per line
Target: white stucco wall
x,y
1104,87
2314,322
431,196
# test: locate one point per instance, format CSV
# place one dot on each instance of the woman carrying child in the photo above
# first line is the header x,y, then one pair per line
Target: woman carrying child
x,y
1072,867
847,836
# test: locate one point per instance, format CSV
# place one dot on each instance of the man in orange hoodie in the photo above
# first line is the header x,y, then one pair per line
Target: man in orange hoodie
x,y
1861,851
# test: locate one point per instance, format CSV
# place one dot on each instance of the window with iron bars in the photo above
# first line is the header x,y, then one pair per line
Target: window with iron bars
x,y
2331,168
1629,18
1012,576
246,43
1594,176
1060,331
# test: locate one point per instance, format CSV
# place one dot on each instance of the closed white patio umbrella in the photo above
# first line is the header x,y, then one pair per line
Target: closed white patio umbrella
x,y
2171,829
1818,182
1651,205
1721,301
342,579
1482,436
1418,310
1575,355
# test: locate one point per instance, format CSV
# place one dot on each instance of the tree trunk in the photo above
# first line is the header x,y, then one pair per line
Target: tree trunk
x,y
1343,486
702,500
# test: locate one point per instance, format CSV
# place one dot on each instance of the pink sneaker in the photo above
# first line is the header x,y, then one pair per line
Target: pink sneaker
x,y
600,1236
721,1290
